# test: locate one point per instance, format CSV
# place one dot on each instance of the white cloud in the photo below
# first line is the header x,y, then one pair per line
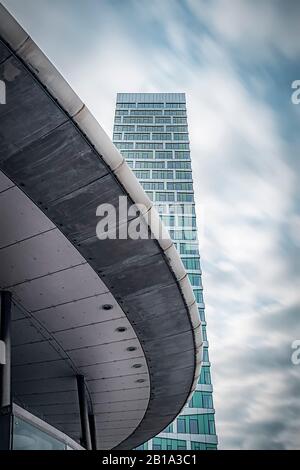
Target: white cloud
x,y
259,29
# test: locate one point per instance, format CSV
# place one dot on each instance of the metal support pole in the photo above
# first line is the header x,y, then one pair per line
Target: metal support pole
x,y
5,337
93,431
84,417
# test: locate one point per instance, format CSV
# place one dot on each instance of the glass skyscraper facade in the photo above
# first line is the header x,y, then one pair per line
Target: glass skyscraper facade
x,y
151,132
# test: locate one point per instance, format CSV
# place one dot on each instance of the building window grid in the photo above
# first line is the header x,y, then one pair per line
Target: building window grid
x,y
176,128
175,112
162,443
202,400
175,153
136,154
124,128
203,423
179,186
163,119
149,145
138,120
154,165
141,128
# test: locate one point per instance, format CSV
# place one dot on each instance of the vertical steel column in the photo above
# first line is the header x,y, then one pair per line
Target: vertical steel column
x,y
5,372
84,416
93,431
5,336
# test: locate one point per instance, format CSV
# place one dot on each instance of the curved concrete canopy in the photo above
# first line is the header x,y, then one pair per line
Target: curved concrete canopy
x,y
57,166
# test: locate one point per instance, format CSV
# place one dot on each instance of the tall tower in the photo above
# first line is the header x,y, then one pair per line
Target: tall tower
x,y
151,132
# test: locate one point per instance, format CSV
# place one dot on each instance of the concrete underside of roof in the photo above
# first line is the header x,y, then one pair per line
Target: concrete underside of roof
x,y
60,274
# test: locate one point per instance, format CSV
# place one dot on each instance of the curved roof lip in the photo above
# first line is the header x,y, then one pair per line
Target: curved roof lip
x,y
64,325
47,75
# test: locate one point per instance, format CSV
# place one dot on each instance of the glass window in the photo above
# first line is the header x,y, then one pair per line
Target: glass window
x,y
181,428
199,296
149,186
179,146
183,175
179,120
136,136
195,401
205,355
205,376
203,446
28,437
169,444
189,249
149,145
189,234
187,221
207,400
179,165
191,263
182,155
169,220
138,119
174,112
137,155
125,105
150,128
150,105
201,314
121,128
175,105
117,136
150,165
211,424
198,445
201,400
180,186
162,175
139,112
207,423
194,428
169,428
176,129
164,197
163,155
195,280
162,208
124,145
183,136
149,194
164,136
183,235
142,174
185,209
162,120
185,197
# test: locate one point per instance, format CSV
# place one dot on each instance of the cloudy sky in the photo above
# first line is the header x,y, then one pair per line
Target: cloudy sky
x,y
236,60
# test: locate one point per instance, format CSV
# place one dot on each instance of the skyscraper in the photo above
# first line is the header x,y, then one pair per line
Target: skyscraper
x,y
151,132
